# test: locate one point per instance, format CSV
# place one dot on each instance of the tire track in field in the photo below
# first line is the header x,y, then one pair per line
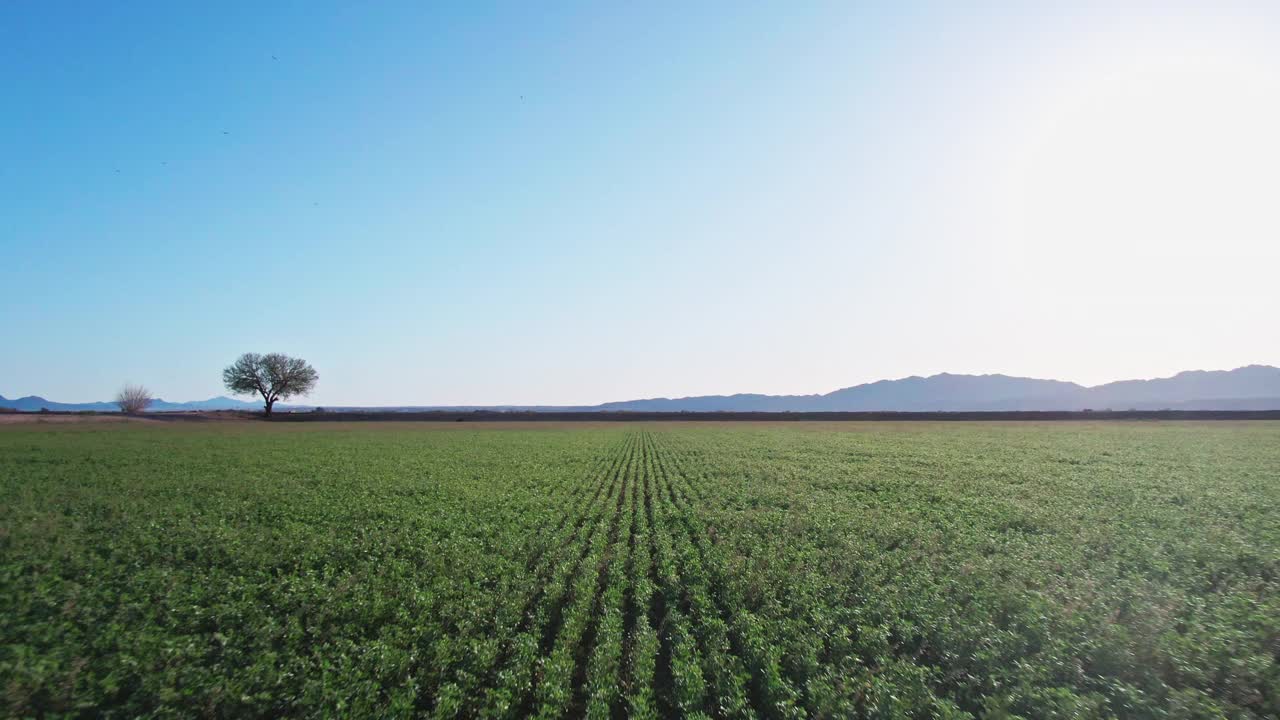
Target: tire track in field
x,y
590,636
557,619
429,695
693,588
662,676
762,701
583,515
578,496
630,611
619,473
544,564
768,692
681,685
555,625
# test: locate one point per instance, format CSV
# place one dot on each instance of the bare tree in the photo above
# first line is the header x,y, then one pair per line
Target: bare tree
x,y
273,376
133,399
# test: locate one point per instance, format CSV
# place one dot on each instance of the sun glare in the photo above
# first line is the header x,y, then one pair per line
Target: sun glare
x,y
1159,171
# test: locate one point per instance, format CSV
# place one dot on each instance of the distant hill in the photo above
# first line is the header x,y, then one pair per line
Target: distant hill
x,y
1254,387
1246,384
34,403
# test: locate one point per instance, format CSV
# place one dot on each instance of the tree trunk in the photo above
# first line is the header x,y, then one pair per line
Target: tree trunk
x,y
269,404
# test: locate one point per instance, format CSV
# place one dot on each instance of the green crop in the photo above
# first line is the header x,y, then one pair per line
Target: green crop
x,y
746,570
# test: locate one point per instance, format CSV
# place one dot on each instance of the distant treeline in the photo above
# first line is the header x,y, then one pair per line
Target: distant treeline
x,y
491,416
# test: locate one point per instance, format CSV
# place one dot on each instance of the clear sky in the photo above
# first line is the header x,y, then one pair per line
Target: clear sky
x,y
573,203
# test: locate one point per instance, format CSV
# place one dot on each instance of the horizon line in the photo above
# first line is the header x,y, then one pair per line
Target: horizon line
x,y
658,397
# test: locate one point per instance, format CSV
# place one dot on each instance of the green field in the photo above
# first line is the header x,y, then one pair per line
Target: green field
x,y
727,570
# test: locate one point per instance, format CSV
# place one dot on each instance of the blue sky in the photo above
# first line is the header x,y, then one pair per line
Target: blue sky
x,y
571,203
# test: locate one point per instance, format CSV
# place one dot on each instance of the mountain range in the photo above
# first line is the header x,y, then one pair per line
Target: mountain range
x,y
34,403
1254,387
